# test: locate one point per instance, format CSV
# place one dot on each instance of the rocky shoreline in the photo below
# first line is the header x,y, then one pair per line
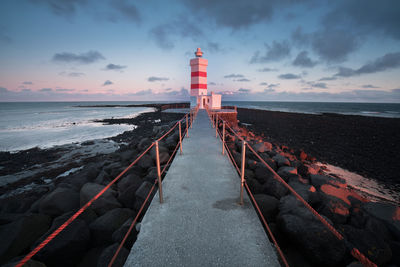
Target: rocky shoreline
x,y
51,184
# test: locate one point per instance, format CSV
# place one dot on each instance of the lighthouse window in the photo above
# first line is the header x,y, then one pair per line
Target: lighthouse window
x,y
208,100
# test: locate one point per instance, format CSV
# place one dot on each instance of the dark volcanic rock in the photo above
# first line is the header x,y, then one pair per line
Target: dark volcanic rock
x,y
263,174
104,226
275,188
119,234
142,193
91,257
281,160
127,181
109,252
127,196
287,172
60,201
146,162
268,206
104,203
67,248
19,235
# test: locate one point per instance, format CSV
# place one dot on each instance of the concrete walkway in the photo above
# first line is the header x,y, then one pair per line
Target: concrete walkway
x,y
200,222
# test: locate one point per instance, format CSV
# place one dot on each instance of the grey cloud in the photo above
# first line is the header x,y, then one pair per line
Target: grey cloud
x,y
274,52
369,86
212,83
273,85
4,37
214,47
143,92
319,85
302,60
27,83
72,74
3,90
327,79
114,67
157,79
243,80
64,90
266,69
299,37
26,90
269,90
108,82
46,90
234,76
127,10
289,76
83,58
244,90
61,7
386,62
263,83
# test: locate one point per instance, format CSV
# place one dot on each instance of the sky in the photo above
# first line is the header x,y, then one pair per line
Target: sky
x,y
257,50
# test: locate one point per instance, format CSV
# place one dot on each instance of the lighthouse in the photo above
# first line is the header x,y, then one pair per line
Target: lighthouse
x,y
198,85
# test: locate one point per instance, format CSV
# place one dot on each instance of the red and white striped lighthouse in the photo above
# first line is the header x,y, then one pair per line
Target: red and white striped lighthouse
x,y
198,86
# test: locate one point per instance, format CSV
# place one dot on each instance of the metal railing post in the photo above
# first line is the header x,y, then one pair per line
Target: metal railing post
x,y
242,171
223,137
216,125
180,137
160,194
191,119
187,126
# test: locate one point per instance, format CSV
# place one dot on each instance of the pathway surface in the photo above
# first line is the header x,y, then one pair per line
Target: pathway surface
x,y
200,222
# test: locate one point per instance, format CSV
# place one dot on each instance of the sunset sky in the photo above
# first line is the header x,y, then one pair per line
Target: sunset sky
x,y
310,50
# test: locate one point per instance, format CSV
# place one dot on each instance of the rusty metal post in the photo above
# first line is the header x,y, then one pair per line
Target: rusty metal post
x,y
159,174
187,126
191,119
216,125
223,137
242,171
180,137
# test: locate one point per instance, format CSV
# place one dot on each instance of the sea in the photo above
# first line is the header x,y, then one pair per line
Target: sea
x,y
24,125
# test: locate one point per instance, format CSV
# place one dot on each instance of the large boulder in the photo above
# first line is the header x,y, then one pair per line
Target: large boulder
x,y
263,174
127,196
287,172
119,234
108,253
368,243
262,147
107,201
268,206
313,239
307,192
60,201
387,213
91,257
335,209
254,185
127,181
104,226
281,160
146,162
68,247
275,188
144,143
18,236
141,194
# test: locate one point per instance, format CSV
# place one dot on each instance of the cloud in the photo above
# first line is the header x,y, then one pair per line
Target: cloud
x,y
64,90
157,79
263,83
114,67
83,58
234,76
266,70
127,10
319,85
46,90
3,90
243,80
327,79
369,86
386,62
289,76
244,90
64,8
269,90
214,47
107,82
274,52
27,83
143,92
72,74
302,60
164,34
212,83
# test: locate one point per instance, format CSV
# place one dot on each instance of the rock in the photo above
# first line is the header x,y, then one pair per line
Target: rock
x,y
281,160
313,239
144,143
119,234
287,172
68,247
127,196
60,201
30,263
368,243
91,257
164,157
127,181
128,155
335,209
103,178
291,205
388,213
275,188
6,218
254,185
146,162
378,228
262,147
268,206
161,148
18,236
104,226
395,247
142,193
307,192
249,174
318,180
104,203
108,254
263,174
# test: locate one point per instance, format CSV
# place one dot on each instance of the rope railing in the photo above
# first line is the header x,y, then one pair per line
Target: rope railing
x,y
354,251
187,118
